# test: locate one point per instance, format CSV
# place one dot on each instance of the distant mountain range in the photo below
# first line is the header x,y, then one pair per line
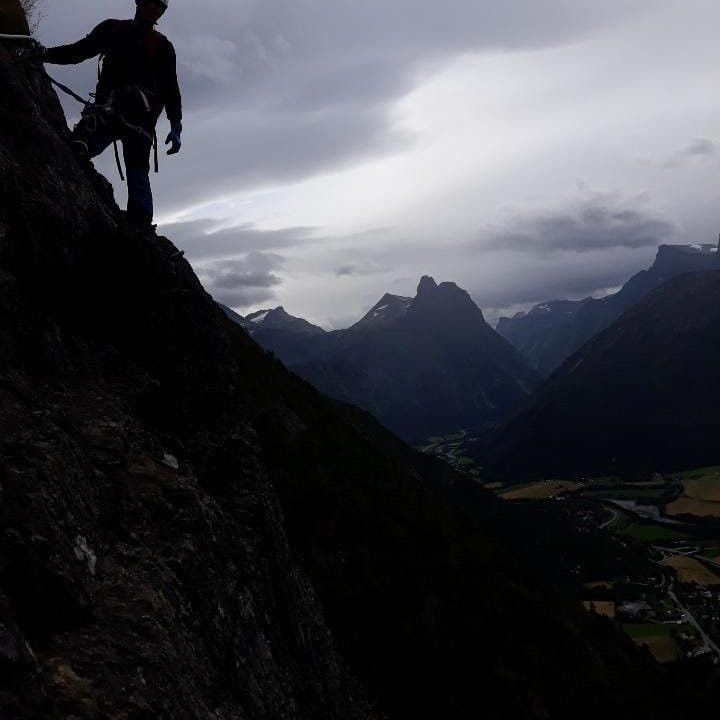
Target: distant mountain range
x,y
643,395
423,366
552,331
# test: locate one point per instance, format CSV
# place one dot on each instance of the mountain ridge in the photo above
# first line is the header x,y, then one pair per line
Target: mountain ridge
x,y
427,365
552,331
639,397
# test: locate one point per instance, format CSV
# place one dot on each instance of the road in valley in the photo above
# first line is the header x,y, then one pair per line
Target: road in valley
x,y
708,644
615,514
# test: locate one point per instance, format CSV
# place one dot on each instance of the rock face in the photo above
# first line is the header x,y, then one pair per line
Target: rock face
x,y
12,18
144,566
550,332
642,396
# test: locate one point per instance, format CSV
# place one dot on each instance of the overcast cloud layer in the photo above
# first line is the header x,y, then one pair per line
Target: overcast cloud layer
x,y
335,150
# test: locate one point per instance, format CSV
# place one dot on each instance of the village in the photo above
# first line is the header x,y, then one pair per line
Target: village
x,y
668,602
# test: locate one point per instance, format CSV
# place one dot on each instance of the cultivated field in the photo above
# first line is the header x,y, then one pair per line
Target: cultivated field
x,y
707,488
657,638
689,506
539,490
712,552
652,533
691,570
701,494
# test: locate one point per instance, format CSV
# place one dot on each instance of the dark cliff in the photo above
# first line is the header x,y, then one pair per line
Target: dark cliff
x,y
187,530
144,567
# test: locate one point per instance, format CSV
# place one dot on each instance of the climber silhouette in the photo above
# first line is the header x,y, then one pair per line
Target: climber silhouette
x,y
137,81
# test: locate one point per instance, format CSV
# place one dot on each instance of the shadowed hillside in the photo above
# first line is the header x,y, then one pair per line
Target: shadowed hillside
x,y
642,396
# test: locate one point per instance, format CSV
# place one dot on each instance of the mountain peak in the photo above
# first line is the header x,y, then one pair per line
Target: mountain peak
x,y
388,308
426,284
447,299
278,319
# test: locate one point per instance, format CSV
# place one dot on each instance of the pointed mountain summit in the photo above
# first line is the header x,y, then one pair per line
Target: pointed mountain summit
x,y
388,309
288,337
278,319
423,366
427,284
552,331
445,302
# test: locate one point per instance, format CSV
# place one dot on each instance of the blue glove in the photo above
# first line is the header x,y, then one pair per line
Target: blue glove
x,y
174,138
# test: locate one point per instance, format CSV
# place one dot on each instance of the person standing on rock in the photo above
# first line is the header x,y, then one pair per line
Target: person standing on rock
x,y
137,81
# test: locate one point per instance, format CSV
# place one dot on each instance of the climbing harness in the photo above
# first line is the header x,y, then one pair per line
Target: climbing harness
x,y
92,112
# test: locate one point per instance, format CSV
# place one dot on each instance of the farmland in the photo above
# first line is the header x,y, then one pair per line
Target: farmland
x,y
539,490
691,506
701,494
656,637
652,533
690,570
666,594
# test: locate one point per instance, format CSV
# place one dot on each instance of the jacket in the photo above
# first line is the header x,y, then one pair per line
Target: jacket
x,y
133,56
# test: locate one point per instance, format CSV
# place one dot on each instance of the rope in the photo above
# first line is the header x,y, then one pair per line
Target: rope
x,y
65,89
18,37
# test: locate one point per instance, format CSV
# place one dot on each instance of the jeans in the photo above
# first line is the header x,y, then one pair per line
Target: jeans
x,y
93,135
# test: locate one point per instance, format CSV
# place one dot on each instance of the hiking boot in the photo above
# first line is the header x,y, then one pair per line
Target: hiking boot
x,y
142,224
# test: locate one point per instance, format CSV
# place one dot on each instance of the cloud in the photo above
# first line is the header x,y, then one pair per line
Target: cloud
x,y
696,149
209,58
281,90
354,269
206,238
242,282
600,222
701,146
527,280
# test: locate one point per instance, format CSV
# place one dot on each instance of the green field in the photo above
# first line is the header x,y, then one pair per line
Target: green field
x,y
657,638
651,533
697,473
627,494
442,439
538,491
645,630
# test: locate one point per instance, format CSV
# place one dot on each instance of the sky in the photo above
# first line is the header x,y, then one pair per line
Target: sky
x,y
335,150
